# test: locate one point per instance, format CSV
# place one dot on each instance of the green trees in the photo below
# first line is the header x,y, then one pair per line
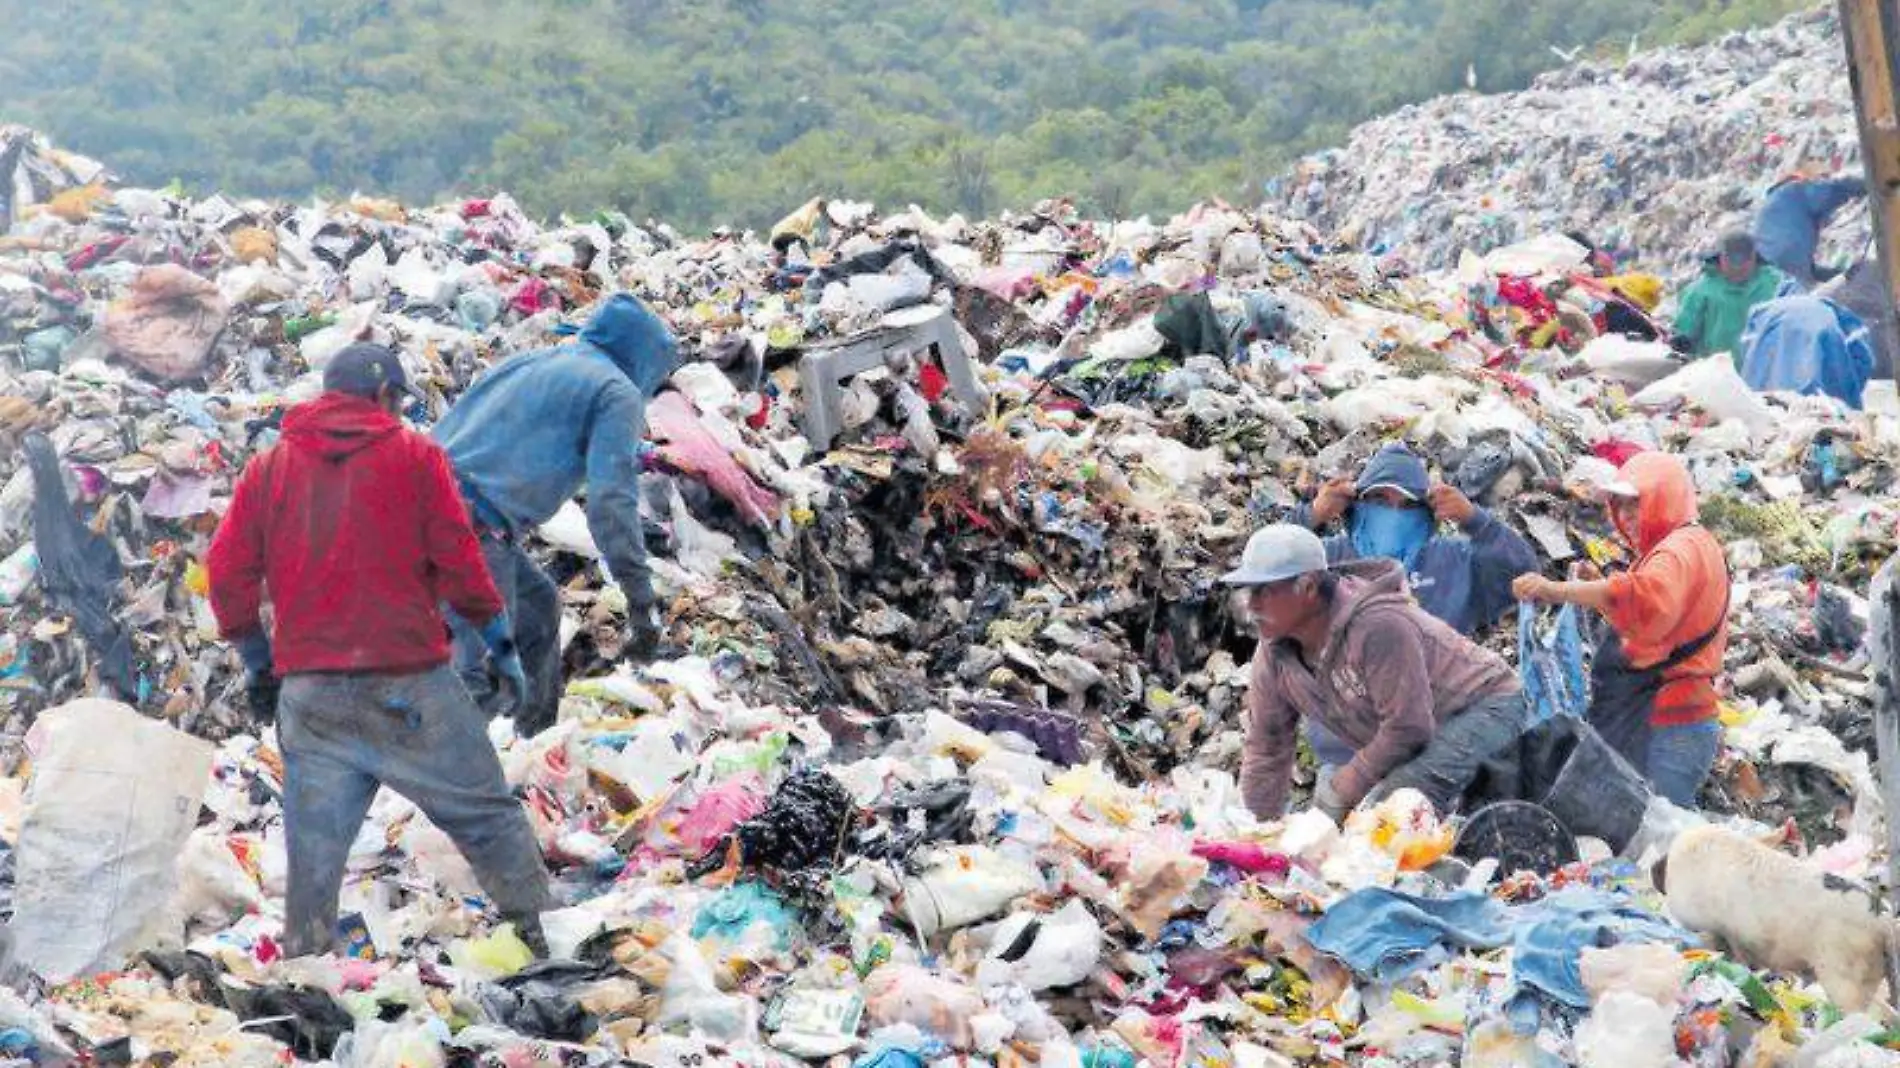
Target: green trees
x,y
734,111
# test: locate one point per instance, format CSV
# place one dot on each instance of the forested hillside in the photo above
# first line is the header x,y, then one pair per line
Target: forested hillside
x,y
732,111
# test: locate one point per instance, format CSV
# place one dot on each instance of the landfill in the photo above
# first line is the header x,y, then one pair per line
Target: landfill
x,y
945,771
1649,156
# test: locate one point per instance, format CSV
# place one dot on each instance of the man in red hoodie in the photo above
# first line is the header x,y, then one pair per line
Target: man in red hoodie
x,y
355,526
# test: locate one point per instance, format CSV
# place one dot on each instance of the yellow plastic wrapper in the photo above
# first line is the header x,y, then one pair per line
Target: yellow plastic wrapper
x,y
197,579
498,956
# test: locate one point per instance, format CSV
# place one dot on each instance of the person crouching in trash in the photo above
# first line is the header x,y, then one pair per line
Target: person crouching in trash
x,y
1420,705
1393,510
1652,684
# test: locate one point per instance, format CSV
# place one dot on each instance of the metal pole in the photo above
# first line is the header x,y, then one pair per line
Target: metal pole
x,y
1871,31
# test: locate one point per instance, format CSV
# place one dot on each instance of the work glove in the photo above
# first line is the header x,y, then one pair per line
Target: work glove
x,y
499,636
1327,800
261,685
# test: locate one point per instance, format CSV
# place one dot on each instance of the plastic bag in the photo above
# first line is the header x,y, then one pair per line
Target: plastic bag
x,y
403,1044
691,997
1647,969
1714,386
1551,664
905,994
501,954
113,797
1627,1031
79,569
964,886
1157,881
1040,952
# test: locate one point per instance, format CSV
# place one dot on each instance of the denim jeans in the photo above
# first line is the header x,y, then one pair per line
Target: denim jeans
x,y
343,735
533,603
1680,758
1450,763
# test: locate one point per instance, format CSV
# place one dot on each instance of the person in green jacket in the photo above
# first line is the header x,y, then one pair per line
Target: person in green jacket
x,y
1715,308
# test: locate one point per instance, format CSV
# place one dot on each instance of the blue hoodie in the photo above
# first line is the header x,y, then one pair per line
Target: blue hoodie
x,y
1792,218
535,427
1807,345
1464,580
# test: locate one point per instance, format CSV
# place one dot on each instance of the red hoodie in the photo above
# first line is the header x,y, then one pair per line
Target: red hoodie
x,y
356,526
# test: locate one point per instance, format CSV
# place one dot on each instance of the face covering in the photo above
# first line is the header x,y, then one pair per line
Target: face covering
x,y
1393,533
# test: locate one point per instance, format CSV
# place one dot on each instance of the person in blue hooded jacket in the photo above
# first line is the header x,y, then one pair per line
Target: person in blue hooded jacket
x,y
1393,511
1793,214
524,438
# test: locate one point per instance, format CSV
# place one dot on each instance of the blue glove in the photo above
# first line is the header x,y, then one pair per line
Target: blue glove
x,y
499,636
261,685
254,650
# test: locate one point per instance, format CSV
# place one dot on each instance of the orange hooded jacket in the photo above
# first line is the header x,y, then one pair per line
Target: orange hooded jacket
x,y
1677,592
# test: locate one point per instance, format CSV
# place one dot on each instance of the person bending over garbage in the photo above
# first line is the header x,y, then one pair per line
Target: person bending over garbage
x,y
354,526
1394,512
1793,214
1653,679
1419,705
524,438
1715,308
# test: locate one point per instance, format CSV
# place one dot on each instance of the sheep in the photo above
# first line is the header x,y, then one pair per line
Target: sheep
x,y
1775,912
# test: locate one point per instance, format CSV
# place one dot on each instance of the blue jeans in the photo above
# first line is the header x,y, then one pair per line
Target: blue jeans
x,y
1458,751
533,604
343,735
1680,758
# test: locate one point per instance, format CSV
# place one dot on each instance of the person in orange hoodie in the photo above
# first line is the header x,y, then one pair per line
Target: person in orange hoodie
x,y
1653,682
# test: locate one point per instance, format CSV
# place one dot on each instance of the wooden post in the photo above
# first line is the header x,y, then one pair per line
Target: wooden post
x,y
1871,31
1887,751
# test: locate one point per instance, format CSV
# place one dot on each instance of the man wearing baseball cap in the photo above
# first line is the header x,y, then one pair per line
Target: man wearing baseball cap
x,y
1715,308
1395,511
355,526
1418,704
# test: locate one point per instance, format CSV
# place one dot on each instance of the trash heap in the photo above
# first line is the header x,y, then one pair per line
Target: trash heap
x,y
948,766
1650,157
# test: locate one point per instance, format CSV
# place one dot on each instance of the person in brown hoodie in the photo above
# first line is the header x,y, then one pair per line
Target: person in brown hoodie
x,y
1420,705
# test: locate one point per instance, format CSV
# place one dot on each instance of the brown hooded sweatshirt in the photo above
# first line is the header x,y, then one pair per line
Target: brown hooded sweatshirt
x,y
1389,674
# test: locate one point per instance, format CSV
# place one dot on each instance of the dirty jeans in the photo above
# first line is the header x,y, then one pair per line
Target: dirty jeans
x,y
1680,758
534,607
420,735
1450,763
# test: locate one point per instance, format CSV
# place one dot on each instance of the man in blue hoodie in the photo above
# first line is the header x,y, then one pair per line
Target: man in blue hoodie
x,y
1793,214
524,439
1394,511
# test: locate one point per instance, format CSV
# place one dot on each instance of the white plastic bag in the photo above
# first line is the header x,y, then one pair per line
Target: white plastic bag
x,y
113,797
1064,951
1627,1031
1714,386
402,1044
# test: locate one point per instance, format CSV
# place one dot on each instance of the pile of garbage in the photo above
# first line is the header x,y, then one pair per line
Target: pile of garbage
x,y
947,766
1650,158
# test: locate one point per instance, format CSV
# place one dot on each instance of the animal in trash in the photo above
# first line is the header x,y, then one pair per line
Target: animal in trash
x,y
1775,912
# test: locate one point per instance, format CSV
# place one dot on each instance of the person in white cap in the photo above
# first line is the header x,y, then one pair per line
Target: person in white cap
x,y
1420,705
1652,681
